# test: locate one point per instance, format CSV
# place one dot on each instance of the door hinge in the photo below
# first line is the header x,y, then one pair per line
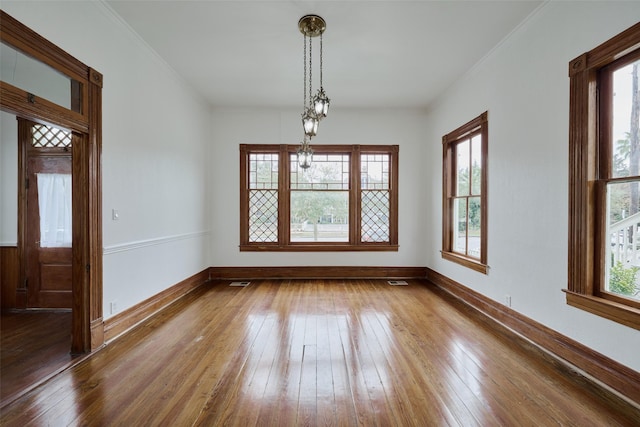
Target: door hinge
x,y
87,267
26,183
26,283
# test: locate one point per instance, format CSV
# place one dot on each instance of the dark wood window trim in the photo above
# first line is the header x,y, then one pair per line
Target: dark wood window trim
x,y
284,242
87,326
587,179
477,126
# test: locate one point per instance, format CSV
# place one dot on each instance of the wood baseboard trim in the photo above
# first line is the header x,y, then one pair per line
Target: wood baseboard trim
x,y
122,322
246,273
619,378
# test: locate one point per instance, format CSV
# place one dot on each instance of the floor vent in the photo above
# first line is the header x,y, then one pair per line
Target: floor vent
x,y
241,284
397,283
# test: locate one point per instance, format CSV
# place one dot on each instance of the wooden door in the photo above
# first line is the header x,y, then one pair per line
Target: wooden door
x,y
48,265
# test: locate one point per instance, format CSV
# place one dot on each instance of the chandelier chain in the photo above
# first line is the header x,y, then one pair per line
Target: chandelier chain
x,y
320,60
304,61
310,72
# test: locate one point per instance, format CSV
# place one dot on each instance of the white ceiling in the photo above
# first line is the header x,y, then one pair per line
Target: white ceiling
x,y
376,53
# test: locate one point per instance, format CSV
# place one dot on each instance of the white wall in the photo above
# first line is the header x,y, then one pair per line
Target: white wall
x,y
234,127
155,149
524,85
8,179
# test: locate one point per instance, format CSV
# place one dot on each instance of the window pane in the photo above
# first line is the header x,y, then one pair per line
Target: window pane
x,y
319,216
54,203
33,76
475,229
625,162
327,172
476,164
459,225
462,168
375,216
263,216
263,171
374,171
623,228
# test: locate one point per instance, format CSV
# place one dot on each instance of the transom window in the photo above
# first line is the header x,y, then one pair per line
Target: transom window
x,y
464,194
43,136
346,200
604,192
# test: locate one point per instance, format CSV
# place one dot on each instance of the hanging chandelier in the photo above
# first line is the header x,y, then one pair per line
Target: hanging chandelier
x,y
318,105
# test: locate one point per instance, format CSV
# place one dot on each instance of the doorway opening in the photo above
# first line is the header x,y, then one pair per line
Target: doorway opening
x,y
78,111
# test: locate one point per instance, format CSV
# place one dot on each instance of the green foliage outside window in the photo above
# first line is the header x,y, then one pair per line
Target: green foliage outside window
x,y
622,280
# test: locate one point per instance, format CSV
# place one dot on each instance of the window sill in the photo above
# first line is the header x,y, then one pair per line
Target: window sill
x,y
465,261
319,248
611,310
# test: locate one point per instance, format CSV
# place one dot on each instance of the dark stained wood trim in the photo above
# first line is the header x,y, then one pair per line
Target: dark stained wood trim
x,y
28,41
39,109
93,206
86,172
612,49
9,275
588,174
319,247
245,273
125,320
612,310
23,136
467,262
620,378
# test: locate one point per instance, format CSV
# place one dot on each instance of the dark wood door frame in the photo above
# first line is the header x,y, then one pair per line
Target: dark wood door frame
x,y
87,325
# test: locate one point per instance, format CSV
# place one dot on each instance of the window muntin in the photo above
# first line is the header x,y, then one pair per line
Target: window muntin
x,y
43,136
603,232
347,200
263,197
464,194
375,197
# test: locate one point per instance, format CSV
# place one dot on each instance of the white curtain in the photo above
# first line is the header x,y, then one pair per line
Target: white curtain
x,y
54,200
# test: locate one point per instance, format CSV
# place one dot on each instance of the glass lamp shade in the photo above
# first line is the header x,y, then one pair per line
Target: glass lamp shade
x,y
321,104
305,155
310,122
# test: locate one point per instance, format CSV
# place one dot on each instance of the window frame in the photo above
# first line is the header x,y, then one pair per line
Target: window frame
x,y
478,125
284,243
589,169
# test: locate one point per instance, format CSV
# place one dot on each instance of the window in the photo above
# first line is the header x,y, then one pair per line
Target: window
x,y
464,177
346,201
604,192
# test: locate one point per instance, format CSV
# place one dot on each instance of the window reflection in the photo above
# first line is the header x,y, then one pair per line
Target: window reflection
x,y
318,355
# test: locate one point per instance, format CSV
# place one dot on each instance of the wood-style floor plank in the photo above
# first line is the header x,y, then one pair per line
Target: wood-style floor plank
x,y
34,344
318,353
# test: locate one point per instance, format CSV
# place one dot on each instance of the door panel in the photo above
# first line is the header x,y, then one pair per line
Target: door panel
x,y
48,269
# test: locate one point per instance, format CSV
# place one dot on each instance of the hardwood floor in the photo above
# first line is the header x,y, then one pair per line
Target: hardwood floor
x,y
321,352
34,344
